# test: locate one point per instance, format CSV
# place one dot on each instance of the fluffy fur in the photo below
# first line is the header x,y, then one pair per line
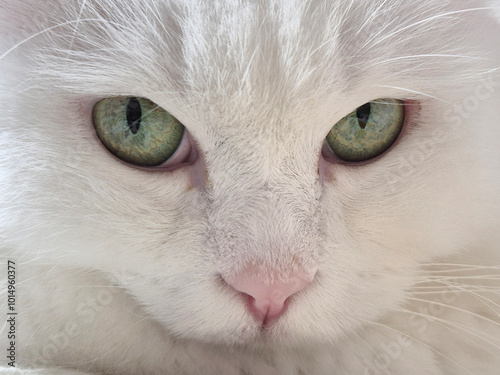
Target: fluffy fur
x,y
119,270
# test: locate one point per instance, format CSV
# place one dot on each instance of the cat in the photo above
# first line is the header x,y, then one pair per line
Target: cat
x,y
252,187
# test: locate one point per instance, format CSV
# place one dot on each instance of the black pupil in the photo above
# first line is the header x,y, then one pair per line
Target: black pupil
x,y
134,115
363,114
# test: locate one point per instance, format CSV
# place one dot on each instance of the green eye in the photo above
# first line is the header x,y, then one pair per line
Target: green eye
x,y
137,130
368,131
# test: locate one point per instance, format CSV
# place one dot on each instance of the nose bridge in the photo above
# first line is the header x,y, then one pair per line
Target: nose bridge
x,y
262,211
273,226
267,205
271,187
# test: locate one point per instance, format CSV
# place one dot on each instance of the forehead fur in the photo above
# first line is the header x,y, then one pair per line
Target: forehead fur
x,y
256,54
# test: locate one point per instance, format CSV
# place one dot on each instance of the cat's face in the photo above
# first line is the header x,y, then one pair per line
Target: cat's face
x,y
258,86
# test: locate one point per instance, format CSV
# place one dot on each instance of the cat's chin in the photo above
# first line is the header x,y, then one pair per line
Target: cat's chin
x,y
276,335
266,339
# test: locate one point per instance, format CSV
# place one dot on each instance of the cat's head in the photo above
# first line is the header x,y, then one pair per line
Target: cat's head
x,y
258,195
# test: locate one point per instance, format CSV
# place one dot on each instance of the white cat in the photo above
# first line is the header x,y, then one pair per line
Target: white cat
x,y
252,187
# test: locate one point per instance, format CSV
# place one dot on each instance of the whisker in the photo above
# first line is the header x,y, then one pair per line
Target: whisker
x,y
430,55
430,290
414,92
436,278
427,20
75,31
455,308
450,325
46,30
482,299
62,24
374,352
458,265
421,343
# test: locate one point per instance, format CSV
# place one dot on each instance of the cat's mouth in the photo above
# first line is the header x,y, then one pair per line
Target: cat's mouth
x,y
270,330
265,313
267,316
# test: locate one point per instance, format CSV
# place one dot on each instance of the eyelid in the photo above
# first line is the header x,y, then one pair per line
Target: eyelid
x,y
184,155
410,107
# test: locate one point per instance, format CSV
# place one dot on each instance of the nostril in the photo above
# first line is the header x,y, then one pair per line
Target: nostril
x,y
267,299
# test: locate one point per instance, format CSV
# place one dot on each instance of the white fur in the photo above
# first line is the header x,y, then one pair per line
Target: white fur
x,y
119,270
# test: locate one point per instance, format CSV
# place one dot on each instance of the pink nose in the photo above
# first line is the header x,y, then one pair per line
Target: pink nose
x,y
267,299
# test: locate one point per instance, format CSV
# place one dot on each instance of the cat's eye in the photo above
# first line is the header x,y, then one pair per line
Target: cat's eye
x,y
140,132
368,131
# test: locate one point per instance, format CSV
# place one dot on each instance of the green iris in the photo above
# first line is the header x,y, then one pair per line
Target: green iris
x,y
137,130
368,131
